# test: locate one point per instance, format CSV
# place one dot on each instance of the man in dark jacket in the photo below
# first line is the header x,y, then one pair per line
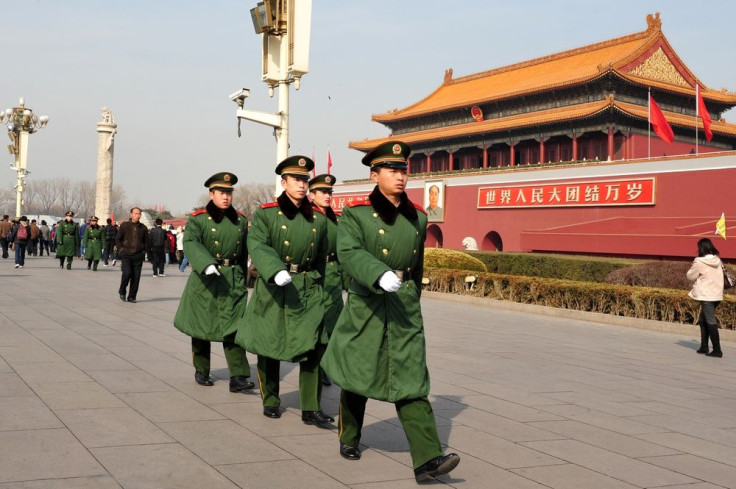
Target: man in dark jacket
x,y
5,227
157,241
110,231
131,241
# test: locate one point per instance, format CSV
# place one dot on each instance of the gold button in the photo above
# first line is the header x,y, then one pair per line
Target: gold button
x,y
217,255
408,269
385,251
210,218
314,230
235,255
311,244
417,233
280,213
213,230
308,259
237,242
286,243
375,214
415,252
283,226
381,231
217,242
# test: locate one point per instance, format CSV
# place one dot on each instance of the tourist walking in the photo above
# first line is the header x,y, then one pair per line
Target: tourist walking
x,y
5,228
131,242
21,234
707,274
110,231
67,240
377,349
33,242
214,298
283,320
92,243
157,244
44,239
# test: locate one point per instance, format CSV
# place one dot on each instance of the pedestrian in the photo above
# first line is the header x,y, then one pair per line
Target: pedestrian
x,y
131,241
33,242
707,274
377,349
181,257
157,244
110,231
21,234
320,190
52,237
92,243
170,246
82,228
5,228
283,320
67,240
215,295
44,239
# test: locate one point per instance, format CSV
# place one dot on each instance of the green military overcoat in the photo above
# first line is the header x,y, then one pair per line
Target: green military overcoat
x,y
334,277
92,242
67,238
212,306
284,323
377,348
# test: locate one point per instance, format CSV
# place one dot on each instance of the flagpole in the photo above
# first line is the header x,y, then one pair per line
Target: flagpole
x,y
697,113
649,126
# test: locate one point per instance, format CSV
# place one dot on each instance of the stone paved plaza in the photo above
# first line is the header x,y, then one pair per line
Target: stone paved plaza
x,y
96,394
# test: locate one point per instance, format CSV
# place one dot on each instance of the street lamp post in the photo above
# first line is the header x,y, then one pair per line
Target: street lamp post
x,y
21,123
285,28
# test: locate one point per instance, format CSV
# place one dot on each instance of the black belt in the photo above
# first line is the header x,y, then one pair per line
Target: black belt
x,y
297,268
402,274
227,262
331,257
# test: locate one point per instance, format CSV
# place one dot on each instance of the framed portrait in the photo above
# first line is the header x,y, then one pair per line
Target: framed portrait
x,y
434,200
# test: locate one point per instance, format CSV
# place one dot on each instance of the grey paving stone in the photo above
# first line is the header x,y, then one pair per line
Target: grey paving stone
x,y
284,474
694,446
569,476
93,362
607,421
122,381
159,466
12,385
44,373
107,427
160,407
25,413
698,468
95,482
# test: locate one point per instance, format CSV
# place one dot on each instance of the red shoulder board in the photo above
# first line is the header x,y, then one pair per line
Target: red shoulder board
x,y
359,203
317,208
241,214
198,212
420,208
268,205
338,213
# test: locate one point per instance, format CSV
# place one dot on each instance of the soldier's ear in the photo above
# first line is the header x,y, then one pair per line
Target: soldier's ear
x,y
374,176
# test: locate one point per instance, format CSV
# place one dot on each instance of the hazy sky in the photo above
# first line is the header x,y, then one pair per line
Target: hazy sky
x,y
166,68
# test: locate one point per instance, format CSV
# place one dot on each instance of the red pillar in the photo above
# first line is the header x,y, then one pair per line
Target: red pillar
x,y
574,147
451,162
610,144
541,150
485,156
512,155
429,162
408,165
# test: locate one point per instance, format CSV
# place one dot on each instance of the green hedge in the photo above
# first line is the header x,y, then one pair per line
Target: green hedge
x,y
618,300
580,268
443,258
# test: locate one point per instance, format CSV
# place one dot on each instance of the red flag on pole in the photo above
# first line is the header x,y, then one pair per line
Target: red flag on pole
x,y
706,118
314,168
659,123
329,162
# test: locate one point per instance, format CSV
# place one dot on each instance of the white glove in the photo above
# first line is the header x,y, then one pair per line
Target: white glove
x,y
389,282
282,278
211,270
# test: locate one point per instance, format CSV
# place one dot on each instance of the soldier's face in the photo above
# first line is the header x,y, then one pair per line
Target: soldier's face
x,y
322,198
296,188
221,198
391,181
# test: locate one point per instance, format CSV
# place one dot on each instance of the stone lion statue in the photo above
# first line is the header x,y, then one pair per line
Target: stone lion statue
x,y
470,244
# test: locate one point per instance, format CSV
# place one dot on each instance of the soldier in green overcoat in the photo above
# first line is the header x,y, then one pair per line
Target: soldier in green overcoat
x,y
67,240
377,349
320,190
92,243
283,319
213,301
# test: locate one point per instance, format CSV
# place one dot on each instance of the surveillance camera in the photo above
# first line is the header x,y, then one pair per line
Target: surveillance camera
x,y
240,96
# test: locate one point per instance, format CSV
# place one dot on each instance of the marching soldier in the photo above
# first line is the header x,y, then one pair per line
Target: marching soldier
x,y
320,189
67,240
215,295
92,243
377,349
283,320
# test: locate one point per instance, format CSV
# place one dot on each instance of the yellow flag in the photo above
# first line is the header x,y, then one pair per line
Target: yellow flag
x,y
721,225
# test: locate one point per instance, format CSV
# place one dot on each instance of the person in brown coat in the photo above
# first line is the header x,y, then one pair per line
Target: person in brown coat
x,y
5,227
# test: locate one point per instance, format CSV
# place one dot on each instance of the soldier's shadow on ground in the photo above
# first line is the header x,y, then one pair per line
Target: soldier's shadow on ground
x,y
690,344
160,299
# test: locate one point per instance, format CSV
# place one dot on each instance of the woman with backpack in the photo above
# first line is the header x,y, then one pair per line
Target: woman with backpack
x,y
21,235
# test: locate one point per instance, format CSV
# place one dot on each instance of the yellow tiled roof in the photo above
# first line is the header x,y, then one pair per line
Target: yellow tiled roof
x,y
556,70
537,118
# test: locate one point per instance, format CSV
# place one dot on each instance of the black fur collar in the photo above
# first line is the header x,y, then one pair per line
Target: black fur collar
x,y
388,211
290,210
218,214
330,214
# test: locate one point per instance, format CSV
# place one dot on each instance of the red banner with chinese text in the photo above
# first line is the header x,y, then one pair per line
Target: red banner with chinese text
x,y
343,200
592,193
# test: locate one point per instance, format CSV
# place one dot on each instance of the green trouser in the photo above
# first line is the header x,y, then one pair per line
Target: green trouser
x,y
310,387
237,363
416,418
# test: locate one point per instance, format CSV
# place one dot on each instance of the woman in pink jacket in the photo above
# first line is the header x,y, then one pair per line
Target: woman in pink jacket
x,y
707,272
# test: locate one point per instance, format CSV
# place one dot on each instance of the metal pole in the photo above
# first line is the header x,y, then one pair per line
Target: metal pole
x,y
18,192
282,133
697,106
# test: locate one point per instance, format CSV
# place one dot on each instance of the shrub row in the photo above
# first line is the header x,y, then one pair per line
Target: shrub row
x,y
444,258
618,300
585,269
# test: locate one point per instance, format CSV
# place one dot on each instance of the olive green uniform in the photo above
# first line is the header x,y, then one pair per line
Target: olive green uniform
x,y
377,349
92,243
334,282
67,242
212,306
285,323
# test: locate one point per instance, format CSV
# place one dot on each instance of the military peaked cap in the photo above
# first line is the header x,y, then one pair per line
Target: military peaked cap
x,y
322,182
297,166
69,213
391,154
221,181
